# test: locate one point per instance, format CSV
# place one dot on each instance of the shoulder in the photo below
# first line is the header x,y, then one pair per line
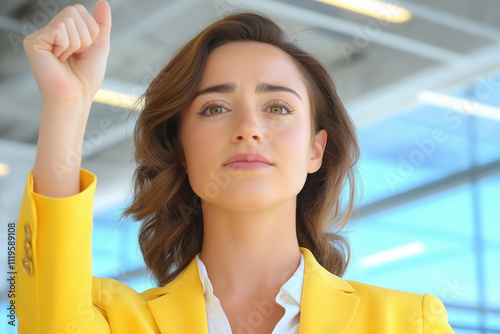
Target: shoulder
x,y
113,298
107,290
377,293
372,308
384,302
424,312
111,291
371,294
160,309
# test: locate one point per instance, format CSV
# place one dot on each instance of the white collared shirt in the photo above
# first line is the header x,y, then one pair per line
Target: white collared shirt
x,y
289,298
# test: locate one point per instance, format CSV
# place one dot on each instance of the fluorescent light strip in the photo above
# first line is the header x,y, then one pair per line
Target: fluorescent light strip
x,y
4,169
465,106
393,254
378,9
116,99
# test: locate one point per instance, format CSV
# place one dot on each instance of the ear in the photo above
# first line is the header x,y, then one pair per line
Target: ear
x,y
316,152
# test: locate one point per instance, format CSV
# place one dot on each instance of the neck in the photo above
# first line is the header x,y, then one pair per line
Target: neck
x,y
248,253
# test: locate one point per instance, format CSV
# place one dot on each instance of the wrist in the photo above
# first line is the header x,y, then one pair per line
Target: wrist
x,y
73,106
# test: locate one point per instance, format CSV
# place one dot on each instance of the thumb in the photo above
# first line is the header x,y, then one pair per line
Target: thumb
x,y
102,16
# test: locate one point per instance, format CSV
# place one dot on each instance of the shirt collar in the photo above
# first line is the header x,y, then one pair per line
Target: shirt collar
x,y
293,287
205,281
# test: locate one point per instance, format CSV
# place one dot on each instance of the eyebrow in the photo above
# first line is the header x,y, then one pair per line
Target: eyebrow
x,y
262,88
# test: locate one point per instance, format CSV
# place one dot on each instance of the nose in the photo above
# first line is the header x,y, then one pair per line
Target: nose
x,y
247,127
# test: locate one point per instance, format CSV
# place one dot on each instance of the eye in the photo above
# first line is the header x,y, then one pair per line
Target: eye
x,y
279,108
212,108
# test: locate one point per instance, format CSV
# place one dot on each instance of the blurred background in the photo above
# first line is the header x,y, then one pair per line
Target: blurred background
x,y
421,81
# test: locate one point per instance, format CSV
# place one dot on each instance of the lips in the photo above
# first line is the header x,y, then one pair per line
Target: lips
x,y
248,160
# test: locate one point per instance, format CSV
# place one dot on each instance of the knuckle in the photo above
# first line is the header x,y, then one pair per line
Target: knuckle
x,y
81,10
27,39
72,46
79,7
64,44
76,45
68,21
71,10
85,42
59,26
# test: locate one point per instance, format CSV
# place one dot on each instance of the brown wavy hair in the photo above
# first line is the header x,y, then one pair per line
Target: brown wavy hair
x,y
171,233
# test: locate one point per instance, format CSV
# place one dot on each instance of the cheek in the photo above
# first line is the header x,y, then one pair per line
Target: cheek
x,y
200,146
294,142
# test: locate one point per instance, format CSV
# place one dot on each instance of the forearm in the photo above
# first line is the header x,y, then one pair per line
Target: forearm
x,y
56,171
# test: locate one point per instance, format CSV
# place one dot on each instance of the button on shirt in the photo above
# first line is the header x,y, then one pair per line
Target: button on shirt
x,y
289,298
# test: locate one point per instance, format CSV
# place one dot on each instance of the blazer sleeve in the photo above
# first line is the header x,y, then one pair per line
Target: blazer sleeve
x,y
53,263
434,316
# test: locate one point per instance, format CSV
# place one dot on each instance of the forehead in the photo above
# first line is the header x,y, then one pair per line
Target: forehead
x,y
249,61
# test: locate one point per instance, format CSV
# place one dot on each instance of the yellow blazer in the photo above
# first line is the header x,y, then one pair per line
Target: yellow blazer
x,y
56,292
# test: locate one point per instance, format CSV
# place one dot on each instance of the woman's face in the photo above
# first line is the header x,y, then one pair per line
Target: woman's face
x,y
252,98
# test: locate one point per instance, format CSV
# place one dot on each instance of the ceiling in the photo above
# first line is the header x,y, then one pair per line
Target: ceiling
x,y
378,67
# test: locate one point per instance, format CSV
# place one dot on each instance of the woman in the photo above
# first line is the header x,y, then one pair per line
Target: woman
x,y
242,149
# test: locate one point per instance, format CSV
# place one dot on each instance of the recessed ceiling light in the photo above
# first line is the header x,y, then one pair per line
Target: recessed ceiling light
x,y
4,169
378,9
117,99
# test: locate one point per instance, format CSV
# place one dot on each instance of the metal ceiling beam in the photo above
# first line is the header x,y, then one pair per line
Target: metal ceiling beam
x,y
402,94
374,35
173,9
453,21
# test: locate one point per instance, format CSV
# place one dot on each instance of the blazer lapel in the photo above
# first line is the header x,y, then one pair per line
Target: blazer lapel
x,y
327,305
180,307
